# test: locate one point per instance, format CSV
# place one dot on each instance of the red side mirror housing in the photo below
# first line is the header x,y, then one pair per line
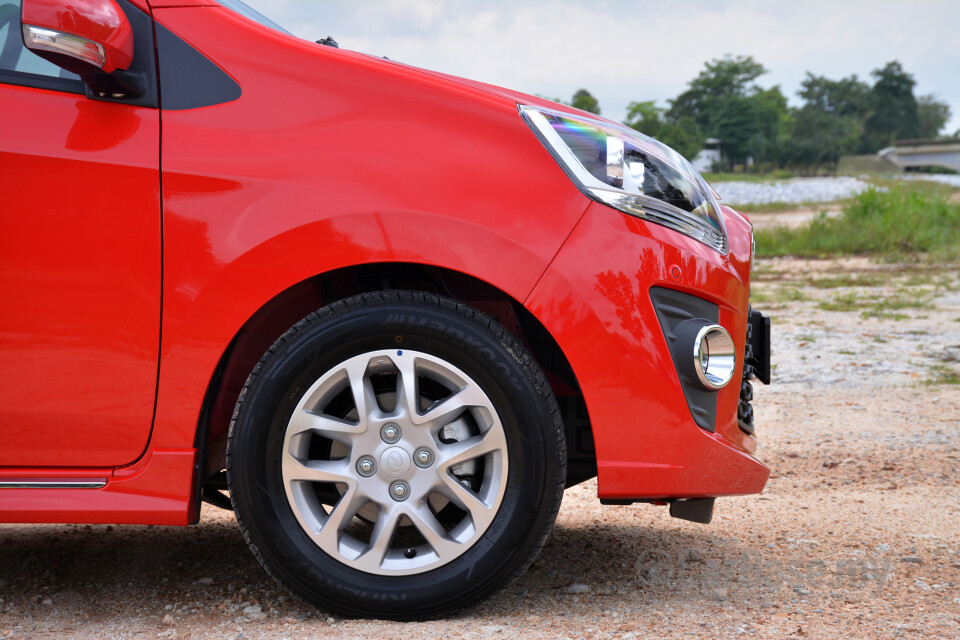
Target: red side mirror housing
x,y
82,36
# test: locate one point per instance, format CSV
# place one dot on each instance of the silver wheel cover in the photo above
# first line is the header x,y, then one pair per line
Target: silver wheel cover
x,y
445,506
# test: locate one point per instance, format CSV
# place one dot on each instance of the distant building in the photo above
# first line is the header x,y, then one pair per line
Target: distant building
x,y
708,156
913,154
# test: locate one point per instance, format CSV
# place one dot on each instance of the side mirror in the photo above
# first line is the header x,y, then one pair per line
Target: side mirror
x,y
91,38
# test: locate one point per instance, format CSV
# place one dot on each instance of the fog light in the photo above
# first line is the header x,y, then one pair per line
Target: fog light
x,y
714,356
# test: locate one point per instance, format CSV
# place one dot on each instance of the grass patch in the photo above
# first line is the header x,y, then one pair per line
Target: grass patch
x,y
778,294
779,174
777,207
942,374
884,308
848,280
905,220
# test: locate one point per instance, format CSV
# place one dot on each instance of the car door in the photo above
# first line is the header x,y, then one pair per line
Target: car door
x,y
80,262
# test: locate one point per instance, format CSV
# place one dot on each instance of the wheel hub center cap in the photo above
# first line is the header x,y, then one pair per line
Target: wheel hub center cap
x,y
395,462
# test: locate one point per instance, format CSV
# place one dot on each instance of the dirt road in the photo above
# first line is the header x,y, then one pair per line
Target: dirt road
x,y
857,534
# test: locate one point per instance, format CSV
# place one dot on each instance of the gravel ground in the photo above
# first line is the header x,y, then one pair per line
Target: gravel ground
x,y
857,534
949,179
794,191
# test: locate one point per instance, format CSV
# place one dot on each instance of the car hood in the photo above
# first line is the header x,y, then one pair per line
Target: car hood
x,y
508,95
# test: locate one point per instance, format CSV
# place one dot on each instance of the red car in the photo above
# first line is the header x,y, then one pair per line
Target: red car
x,y
394,313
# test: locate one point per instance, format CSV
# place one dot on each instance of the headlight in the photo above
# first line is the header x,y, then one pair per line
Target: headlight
x,y
631,172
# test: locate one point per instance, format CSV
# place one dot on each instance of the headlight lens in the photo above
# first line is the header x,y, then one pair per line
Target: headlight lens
x,y
631,172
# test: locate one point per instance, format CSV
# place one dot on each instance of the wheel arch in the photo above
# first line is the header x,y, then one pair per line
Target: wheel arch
x,y
282,311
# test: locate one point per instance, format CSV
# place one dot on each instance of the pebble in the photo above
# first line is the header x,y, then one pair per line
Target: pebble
x,y
254,611
169,633
47,601
579,588
912,559
168,619
720,593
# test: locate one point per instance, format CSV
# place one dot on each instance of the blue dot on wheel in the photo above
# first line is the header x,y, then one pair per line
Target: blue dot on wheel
x,y
399,352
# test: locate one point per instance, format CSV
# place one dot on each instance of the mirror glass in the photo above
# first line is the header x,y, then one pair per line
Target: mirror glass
x,y
13,55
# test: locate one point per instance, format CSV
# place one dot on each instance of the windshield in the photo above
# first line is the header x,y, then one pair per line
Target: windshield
x,y
253,14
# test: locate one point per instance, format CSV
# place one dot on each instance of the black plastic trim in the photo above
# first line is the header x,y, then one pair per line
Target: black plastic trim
x,y
188,79
138,84
759,337
675,308
695,510
37,81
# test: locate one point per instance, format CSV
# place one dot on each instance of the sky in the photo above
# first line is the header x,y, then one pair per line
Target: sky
x,y
623,50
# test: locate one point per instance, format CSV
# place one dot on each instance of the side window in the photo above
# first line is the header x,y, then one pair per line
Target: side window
x,y
18,65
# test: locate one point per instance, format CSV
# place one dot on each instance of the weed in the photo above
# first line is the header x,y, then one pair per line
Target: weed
x,y
884,315
778,295
778,174
842,302
943,374
884,308
905,220
848,280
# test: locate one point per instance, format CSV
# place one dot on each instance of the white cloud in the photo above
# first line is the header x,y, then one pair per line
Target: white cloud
x,y
627,50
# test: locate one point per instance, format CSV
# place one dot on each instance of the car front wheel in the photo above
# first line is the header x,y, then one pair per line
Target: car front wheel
x,y
396,455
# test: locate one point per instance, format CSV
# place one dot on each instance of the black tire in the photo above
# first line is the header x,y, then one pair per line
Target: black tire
x,y
452,333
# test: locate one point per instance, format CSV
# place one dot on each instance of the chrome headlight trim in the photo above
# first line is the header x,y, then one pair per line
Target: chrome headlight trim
x,y
625,189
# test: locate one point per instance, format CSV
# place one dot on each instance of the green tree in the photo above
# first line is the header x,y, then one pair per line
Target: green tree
x,y
932,115
584,100
705,95
683,136
829,123
724,102
646,117
894,108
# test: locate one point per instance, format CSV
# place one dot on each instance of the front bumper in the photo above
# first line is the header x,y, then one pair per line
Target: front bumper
x,y
595,301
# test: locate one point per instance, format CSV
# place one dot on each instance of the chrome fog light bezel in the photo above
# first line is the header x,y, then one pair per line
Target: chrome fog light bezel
x,y
714,357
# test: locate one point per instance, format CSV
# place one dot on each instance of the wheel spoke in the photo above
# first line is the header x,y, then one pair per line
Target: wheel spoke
x,y
347,507
380,538
323,425
337,471
463,450
406,387
480,512
432,531
362,390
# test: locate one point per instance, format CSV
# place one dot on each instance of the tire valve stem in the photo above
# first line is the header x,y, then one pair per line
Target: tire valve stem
x,y
410,553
